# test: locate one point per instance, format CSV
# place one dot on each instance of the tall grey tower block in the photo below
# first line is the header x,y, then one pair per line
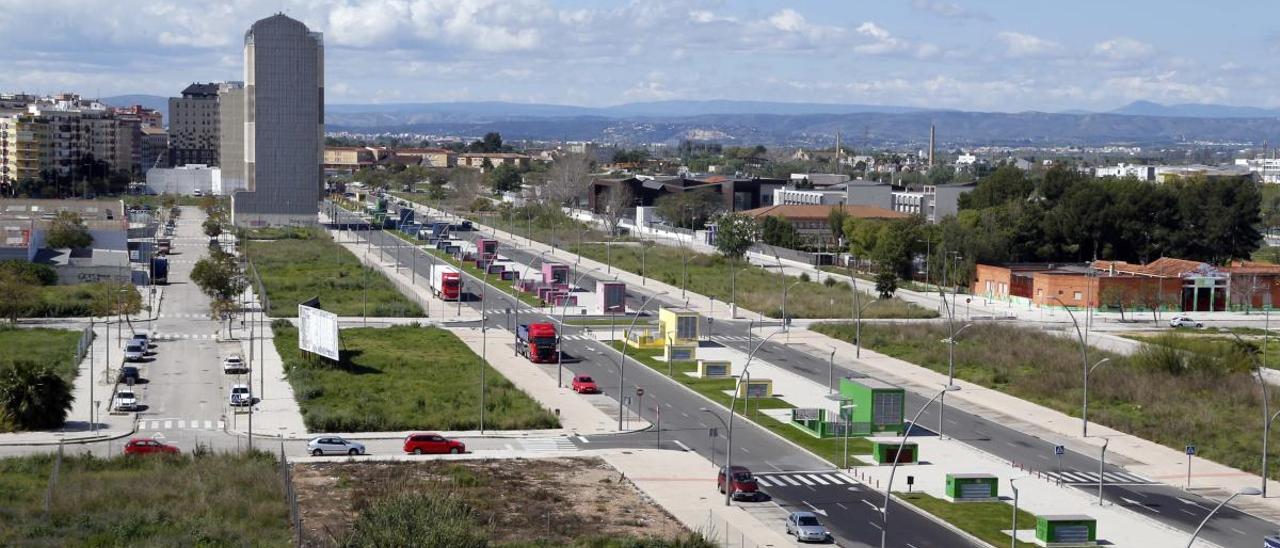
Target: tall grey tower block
x,y
283,125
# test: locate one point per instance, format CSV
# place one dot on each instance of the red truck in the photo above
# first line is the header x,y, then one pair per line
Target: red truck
x,y
446,282
537,342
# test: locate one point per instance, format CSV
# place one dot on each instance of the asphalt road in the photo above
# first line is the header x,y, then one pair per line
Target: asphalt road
x,y
1167,504
684,425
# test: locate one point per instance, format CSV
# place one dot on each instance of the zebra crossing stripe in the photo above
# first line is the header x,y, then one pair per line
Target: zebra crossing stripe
x,y
762,481
844,478
820,481
1113,478
802,479
789,480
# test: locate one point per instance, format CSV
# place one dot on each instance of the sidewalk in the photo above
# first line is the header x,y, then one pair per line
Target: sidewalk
x,y
1135,454
684,484
277,413
78,428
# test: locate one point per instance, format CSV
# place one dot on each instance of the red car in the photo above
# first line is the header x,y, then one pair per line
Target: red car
x,y
584,384
147,446
743,486
432,444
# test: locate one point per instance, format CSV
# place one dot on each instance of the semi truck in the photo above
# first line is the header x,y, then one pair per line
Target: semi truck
x,y
446,282
160,270
537,342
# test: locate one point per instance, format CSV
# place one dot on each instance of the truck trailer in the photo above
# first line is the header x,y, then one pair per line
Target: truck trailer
x,y
446,282
537,342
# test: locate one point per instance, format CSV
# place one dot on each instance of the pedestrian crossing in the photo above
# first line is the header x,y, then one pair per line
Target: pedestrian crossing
x,y
184,336
184,316
1074,477
180,424
545,445
734,338
799,479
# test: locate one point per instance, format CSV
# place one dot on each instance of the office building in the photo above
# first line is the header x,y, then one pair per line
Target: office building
x,y
231,137
284,124
193,126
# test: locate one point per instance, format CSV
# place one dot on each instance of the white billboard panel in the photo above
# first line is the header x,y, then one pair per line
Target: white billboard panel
x,y
318,331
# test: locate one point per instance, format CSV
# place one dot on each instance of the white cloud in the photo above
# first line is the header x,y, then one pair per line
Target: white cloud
x,y
1123,49
649,91
883,43
949,10
1164,87
1018,44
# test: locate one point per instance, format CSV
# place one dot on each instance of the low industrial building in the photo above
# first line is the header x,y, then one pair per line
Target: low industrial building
x,y
186,180
24,226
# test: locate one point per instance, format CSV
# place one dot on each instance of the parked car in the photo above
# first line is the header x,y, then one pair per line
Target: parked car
x,y
144,337
126,400
234,364
1184,321
742,486
147,446
129,374
806,527
134,351
584,384
240,395
432,444
334,445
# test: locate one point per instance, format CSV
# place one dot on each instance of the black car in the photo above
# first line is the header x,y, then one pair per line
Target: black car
x,y
129,374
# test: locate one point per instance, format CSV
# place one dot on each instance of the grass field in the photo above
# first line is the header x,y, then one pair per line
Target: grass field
x,y
1162,394
79,300
295,269
717,390
985,520
54,347
757,289
403,378
224,500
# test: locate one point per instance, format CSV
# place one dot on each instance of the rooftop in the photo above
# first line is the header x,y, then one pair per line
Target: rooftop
x,y
820,212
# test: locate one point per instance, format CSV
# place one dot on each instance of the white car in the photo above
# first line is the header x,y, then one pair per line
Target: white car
x,y
240,395
334,445
1184,321
135,351
126,400
142,337
234,364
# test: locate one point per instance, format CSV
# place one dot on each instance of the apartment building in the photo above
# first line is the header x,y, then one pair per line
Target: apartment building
x,y
193,126
477,159
24,148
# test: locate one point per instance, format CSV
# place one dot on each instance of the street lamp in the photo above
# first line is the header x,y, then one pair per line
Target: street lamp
x,y
564,308
733,284
1267,417
713,442
888,487
858,307
622,354
1013,530
848,417
951,363
728,449
1084,363
831,372
784,303
1246,491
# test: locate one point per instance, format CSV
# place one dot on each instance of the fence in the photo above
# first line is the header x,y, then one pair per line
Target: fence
x,y
721,533
291,497
82,346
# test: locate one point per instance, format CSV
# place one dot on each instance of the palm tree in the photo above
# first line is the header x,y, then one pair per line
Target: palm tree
x,y
34,396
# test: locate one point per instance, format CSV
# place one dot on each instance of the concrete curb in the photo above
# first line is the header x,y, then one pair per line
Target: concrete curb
x,y
967,535
77,441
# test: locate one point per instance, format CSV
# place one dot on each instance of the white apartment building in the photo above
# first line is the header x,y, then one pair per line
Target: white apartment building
x,y
1267,169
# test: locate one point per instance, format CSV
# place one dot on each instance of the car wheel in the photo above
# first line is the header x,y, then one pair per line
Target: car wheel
x,y
316,452
417,451
453,451
353,452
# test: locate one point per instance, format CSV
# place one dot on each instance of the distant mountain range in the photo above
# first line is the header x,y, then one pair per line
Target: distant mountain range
x,y
752,122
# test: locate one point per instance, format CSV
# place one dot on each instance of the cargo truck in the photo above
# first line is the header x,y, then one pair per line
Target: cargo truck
x,y
446,282
537,342
160,270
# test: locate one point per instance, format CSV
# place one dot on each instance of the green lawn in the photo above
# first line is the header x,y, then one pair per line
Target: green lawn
x,y
79,300
831,449
224,500
54,347
758,289
403,378
985,520
295,269
1169,396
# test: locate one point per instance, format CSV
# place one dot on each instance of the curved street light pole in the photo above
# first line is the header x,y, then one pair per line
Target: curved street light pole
x,y
713,442
564,308
1247,491
1267,417
888,487
951,365
784,304
728,447
622,354
1084,364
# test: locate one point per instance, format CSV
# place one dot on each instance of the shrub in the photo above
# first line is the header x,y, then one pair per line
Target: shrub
x,y
804,276
42,273
33,396
413,519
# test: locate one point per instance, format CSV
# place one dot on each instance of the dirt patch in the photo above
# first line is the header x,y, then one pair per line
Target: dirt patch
x,y
550,500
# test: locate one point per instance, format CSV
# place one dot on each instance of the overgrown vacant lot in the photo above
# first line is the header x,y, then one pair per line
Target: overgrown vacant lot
x,y
296,265
222,500
402,378
53,347
525,503
759,290
1169,396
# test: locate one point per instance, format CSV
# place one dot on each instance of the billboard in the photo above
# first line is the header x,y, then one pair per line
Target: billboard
x,y
317,330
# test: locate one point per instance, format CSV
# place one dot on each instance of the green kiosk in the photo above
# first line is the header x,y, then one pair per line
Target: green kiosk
x,y
1066,530
878,407
973,487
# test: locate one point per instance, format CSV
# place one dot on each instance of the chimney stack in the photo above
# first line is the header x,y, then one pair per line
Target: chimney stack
x,y
932,144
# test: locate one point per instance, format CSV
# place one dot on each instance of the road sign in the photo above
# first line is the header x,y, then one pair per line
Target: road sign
x,y
1191,450
1059,450
639,392
713,432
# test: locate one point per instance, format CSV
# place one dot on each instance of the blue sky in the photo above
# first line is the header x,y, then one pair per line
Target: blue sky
x,y
978,55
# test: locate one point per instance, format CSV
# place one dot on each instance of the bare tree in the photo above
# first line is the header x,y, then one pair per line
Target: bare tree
x,y
467,185
620,200
1243,288
567,181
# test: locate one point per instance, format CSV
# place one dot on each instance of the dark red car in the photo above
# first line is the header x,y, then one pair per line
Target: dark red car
x,y
432,444
584,384
147,446
743,484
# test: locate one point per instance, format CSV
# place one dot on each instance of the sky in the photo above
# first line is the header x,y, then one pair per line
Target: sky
x,y
985,55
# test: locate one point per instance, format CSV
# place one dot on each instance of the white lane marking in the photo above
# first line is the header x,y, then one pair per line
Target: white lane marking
x,y
788,480
815,477
168,425
182,424
683,446
802,479
835,479
762,481
583,439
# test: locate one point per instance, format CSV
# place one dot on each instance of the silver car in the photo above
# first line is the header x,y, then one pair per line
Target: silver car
x,y
126,400
135,351
334,445
806,527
